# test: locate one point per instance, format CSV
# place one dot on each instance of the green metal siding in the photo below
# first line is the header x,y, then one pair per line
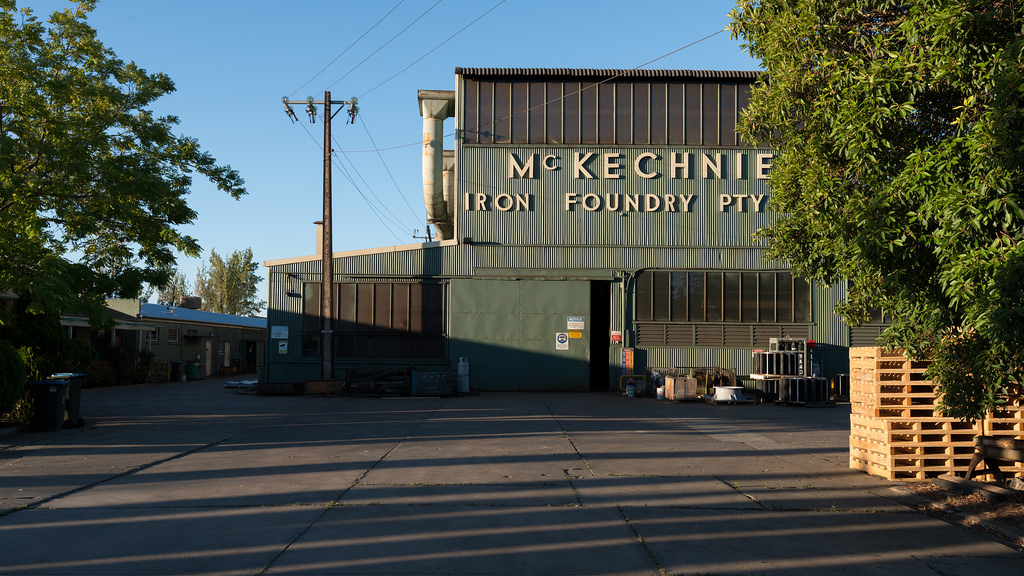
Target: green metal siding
x,y
516,273
506,328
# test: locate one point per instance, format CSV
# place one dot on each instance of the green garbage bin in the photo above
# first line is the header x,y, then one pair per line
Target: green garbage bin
x,y
192,370
73,402
48,398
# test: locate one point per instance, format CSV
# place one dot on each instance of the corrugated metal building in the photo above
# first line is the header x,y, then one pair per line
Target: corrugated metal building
x,y
582,213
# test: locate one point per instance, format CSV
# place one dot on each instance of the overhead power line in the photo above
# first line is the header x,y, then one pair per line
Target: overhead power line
x,y
356,41
589,86
370,205
383,211
385,164
385,44
396,74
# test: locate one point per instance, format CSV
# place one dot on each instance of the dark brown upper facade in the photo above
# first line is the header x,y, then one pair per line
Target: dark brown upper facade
x,y
614,107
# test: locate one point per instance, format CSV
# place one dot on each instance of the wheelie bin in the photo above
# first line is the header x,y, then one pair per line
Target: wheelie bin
x,y
48,398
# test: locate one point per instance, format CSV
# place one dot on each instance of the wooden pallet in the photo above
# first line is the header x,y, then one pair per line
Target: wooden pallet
x,y
895,431
894,463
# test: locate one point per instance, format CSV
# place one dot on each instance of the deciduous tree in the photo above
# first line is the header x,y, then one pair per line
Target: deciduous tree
x,y
93,185
230,286
175,289
899,131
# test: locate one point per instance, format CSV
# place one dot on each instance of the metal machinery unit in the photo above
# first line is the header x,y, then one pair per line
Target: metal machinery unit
x,y
786,373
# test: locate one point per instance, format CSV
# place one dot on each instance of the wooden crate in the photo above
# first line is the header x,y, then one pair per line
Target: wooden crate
x,y
680,388
895,431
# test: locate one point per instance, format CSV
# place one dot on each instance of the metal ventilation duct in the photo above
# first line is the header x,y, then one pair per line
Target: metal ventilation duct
x,y
435,106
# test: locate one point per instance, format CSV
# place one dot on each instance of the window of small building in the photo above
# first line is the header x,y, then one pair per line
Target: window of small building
x,y
173,336
154,335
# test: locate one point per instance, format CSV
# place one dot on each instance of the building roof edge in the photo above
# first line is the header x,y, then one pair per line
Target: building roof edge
x,y
610,73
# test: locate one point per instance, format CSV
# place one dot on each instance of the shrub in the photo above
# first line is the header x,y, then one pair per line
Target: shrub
x,y
12,377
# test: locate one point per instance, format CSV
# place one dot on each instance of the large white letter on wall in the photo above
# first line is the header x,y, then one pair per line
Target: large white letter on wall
x,y
521,170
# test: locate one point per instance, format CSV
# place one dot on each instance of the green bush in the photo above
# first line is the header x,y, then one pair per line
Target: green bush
x,y
75,355
12,377
99,374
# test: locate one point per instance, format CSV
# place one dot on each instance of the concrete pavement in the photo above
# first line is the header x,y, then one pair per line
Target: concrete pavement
x,y
193,478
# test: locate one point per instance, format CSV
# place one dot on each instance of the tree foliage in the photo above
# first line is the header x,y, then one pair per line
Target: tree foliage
x,y
230,286
899,130
12,377
175,289
92,184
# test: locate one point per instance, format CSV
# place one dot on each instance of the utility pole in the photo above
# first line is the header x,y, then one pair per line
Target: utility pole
x,y
426,238
327,249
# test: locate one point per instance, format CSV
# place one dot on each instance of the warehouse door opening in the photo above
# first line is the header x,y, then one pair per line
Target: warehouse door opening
x,y
600,324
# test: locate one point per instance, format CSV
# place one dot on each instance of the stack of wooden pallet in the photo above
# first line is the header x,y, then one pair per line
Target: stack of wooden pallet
x,y
895,432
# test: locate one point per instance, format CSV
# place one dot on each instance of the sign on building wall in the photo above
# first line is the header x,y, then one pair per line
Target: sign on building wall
x,y
627,361
694,197
561,341
615,179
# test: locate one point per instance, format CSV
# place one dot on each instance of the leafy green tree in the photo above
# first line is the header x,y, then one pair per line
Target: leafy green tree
x,y
230,286
92,185
898,126
174,291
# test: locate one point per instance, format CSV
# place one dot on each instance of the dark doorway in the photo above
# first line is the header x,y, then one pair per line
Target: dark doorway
x,y
600,325
250,358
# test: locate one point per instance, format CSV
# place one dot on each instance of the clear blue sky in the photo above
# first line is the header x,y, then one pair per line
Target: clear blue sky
x,y
233,60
